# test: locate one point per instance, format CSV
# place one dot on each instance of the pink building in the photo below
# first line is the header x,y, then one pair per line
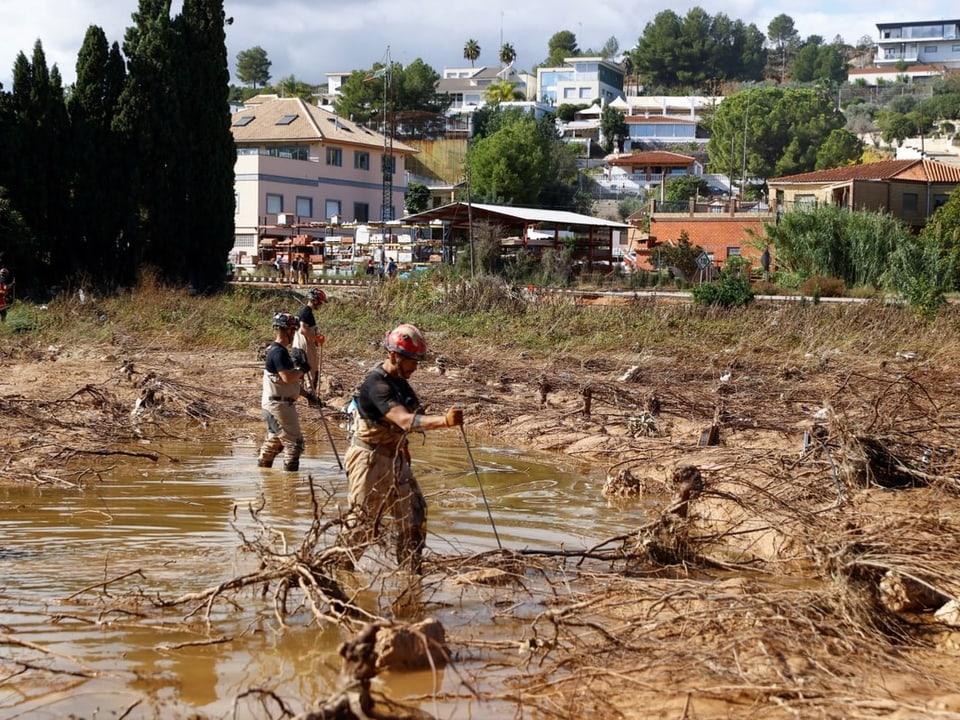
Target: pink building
x,y
301,168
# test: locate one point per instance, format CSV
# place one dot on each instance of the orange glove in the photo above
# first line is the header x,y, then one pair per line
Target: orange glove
x,y
454,417
319,339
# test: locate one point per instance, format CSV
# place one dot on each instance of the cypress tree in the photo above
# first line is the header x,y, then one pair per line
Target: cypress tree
x,y
150,119
40,164
208,141
174,109
103,210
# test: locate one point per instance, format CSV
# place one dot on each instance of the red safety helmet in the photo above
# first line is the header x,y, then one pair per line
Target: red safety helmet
x,y
285,321
317,295
408,341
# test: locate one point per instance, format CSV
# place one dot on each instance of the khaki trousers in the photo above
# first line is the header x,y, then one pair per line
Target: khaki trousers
x,y
283,433
381,484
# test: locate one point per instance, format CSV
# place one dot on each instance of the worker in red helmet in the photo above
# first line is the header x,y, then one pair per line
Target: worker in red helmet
x,y
381,483
309,338
282,385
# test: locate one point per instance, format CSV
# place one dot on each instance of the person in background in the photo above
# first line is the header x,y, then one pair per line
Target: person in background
x,y
380,480
308,337
282,385
370,268
304,267
391,268
6,294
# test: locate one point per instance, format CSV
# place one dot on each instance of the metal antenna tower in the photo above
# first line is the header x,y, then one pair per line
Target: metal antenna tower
x,y
386,206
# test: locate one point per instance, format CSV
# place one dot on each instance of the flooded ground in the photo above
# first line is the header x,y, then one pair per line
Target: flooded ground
x,y
173,527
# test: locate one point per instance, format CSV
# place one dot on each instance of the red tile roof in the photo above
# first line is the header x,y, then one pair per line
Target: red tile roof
x,y
652,157
915,169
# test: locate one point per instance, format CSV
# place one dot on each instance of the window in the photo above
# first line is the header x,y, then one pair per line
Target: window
x,y
243,121
287,119
334,156
805,200
361,160
939,200
930,49
295,152
274,203
911,201
236,203
361,212
733,252
586,93
331,208
304,206
955,48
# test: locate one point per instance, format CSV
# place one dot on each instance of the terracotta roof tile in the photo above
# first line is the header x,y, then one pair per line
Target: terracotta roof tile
x,y
915,169
652,157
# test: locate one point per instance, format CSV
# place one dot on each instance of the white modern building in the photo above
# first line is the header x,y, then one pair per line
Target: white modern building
x,y
930,42
581,80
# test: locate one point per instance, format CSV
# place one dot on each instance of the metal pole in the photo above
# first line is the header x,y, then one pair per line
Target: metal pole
x,y
482,493
323,419
316,378
743,174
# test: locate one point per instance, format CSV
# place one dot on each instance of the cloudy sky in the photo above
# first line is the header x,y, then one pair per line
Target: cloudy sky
x,y
309,38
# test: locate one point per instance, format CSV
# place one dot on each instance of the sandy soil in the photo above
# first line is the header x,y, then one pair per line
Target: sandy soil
x,y
797,577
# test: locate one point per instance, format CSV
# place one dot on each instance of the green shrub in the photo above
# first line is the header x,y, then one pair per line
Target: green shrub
x,y
728,291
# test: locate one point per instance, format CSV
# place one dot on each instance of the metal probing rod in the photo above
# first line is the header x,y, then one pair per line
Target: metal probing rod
x,y
482,493
333,445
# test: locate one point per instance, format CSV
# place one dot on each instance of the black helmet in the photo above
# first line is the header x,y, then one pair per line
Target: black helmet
x,y
285,321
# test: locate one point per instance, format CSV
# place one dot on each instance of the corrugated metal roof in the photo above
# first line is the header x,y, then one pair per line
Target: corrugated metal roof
x,y
885,170
560,217
458,211
310,124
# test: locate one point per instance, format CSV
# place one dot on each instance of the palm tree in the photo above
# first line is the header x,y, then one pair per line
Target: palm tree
x,y
507,54
502,91
471,51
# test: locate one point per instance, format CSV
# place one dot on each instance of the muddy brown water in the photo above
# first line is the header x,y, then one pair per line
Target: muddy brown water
x,y
174,526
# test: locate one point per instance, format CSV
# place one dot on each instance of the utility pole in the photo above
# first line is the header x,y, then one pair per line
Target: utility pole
x,y
743,173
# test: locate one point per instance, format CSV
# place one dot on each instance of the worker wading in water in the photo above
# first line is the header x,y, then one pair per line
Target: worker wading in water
x,y
380,479
282,385
308,338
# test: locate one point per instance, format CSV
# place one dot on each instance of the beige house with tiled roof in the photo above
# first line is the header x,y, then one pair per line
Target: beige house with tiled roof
x,y
908,189
301,168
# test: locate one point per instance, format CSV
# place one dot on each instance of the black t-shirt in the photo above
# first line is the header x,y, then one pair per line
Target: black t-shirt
x,y
305,315
278,358
379,392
